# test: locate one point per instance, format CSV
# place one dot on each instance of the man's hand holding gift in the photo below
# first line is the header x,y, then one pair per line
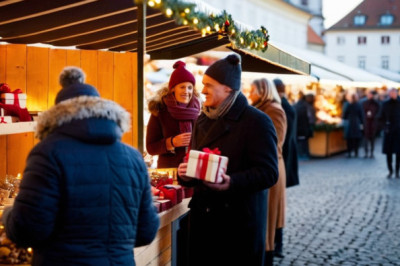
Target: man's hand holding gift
x,y
208,166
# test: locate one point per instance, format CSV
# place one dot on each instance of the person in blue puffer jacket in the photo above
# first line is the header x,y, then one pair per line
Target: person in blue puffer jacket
x,y
85,196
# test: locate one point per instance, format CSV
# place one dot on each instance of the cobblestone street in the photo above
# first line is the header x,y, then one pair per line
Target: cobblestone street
x,y
344,212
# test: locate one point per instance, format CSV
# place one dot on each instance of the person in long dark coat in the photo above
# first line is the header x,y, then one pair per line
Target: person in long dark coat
x,y
354,118
228,219
371,110
305,123
85,197
390,116
289,150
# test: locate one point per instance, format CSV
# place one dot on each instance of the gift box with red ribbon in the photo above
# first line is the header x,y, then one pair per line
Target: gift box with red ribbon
x,y
206,165
173,192
14,103
16,98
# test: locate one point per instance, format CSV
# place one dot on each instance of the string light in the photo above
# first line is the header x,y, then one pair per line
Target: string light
x,y
168,12
151,3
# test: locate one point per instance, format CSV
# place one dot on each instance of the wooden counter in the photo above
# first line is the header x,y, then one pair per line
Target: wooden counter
x,y
159,252
325,143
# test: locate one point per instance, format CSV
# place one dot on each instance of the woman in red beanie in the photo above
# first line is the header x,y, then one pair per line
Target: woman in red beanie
x,y
173,112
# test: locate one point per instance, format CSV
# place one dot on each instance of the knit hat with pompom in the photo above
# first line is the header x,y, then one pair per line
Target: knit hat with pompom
x,y
227,71
71,75
180,75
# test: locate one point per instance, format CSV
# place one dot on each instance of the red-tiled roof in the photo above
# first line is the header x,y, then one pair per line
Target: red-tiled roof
x,y
373,10
313,37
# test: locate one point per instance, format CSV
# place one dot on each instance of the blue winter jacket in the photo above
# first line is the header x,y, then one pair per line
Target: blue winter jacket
x,y
85,197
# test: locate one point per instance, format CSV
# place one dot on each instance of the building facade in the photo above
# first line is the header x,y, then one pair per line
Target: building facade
x,y
368,37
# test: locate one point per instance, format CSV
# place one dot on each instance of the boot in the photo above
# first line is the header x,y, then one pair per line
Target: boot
x,y
390,174
278,243
269,258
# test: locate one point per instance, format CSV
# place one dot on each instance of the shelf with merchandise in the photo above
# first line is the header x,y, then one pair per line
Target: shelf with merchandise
x,y
19,127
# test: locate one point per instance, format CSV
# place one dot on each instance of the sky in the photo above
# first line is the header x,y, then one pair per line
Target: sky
x,y
334,10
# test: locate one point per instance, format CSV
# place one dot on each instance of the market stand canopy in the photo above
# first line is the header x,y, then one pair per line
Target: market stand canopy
x,y
113,25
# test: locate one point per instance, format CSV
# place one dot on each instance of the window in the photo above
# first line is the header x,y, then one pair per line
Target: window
x,y
361,40
340,40
361,62
386,19
385,62
340,58
359,20
385,39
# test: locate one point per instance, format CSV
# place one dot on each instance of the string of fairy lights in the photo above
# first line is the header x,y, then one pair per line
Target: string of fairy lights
x,y
186,14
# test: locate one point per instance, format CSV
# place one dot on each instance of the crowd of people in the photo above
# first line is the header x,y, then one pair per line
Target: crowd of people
x,y
369,117
85,196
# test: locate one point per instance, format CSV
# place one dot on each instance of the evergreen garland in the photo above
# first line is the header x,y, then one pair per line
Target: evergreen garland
x,y
185,14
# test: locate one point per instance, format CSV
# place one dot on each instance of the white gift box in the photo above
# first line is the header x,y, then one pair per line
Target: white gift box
x,y
7,119
8,98
206,166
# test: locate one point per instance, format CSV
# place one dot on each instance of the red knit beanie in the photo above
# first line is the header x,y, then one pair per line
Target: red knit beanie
x,y
180,74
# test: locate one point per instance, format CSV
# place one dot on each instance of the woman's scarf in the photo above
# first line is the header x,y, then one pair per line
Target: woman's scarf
x,y
223,108
185,114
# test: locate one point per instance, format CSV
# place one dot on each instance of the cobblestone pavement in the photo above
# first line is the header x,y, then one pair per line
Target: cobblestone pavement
x,y
344,212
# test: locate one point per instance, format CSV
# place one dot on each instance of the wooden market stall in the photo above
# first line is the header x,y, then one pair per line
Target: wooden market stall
x,y
107,39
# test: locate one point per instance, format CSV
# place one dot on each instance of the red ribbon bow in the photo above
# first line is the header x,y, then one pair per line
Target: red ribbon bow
x,y
4,88
213,151
206,150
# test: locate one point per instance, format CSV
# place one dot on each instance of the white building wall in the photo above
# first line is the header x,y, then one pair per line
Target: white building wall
x,y
284,24
373,51
315,8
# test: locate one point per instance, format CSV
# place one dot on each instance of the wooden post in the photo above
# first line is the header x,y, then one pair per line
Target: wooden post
x,y
141,51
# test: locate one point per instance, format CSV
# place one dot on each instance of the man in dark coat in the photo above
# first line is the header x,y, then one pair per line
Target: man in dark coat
x,y
390,117
305,124
289,150
85,196
228,220
371,110
353,115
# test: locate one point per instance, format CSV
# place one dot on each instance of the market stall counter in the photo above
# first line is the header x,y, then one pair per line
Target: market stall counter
x,y
327,140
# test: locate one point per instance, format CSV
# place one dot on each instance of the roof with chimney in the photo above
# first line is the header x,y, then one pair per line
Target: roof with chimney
x,y
371,14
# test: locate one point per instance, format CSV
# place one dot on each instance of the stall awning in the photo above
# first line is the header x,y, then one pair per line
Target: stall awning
x,y
112,25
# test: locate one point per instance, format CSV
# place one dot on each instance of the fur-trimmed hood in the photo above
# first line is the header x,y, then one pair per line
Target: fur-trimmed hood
x,y
156,103
81,108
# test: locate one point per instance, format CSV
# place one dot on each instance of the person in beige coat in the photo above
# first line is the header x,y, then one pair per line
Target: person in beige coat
x,y
265,97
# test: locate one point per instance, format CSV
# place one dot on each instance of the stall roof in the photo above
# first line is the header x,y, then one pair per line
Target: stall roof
x,y
327,68
112,25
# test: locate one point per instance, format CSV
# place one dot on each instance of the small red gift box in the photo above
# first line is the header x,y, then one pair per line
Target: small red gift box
x,y
178,189
169,194
164,205
206,165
